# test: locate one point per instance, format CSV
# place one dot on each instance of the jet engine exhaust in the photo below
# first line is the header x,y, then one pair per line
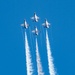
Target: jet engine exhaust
x,y
29,64
39,65
50,58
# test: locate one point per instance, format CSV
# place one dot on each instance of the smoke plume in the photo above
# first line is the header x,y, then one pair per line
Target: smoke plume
x,y
39,65
29,64
50,58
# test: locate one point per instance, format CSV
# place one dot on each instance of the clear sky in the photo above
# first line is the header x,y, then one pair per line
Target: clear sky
x,y
61,15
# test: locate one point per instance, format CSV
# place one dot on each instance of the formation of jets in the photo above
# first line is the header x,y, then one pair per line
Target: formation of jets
x,y
35,18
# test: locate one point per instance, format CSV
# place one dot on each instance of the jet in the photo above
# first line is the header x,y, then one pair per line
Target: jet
x,y
25,24
35,18
35,31
46,24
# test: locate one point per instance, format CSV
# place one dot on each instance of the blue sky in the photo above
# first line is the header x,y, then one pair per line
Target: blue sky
x,y
61,15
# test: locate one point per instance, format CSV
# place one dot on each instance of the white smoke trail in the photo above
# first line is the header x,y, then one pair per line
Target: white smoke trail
x,y
28,57
39,65
50,59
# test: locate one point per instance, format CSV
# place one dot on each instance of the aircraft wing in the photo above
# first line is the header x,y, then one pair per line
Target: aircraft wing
x,y
49,24
27,25
32,18
33,31
38,18
22,24
43,24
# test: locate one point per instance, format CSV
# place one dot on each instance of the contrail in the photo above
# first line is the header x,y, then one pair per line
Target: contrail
x,y
50,59
28,57
39,65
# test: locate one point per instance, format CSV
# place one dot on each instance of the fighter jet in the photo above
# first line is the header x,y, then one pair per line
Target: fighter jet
x,y
46,24
35,18
35,31
25,24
